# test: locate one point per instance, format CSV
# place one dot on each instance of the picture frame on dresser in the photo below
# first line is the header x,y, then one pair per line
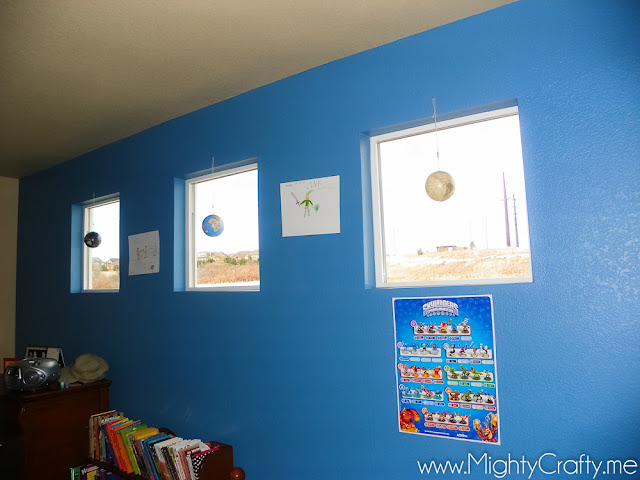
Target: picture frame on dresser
x,y
46,352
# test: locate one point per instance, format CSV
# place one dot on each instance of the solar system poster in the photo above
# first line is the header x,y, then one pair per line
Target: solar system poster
x,y
446,374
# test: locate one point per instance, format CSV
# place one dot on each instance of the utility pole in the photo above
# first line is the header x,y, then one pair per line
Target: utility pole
x,y
506,210
486,233
515,221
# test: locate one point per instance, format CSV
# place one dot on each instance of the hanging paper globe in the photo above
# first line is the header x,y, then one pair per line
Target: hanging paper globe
x,y
92,239
212,225
440,186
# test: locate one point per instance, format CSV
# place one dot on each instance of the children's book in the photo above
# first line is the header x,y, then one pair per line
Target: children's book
x,y
159,460
105,432
175,452
141,446
121,454
112,446
92,473
126,446
102,434
172,458
97,447
133,449
173,461
117,449
149,457
102,454
75,472
184,466
92,436
167,467
88,472
94,430
146,467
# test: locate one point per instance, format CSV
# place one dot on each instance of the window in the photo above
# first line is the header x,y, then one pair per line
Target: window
x,y
101,264
222,230
480,234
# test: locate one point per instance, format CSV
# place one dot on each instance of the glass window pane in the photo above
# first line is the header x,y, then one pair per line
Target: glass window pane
x,y
481,232
104,260
230,258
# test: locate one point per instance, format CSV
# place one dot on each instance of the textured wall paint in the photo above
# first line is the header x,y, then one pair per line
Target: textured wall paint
x,y
8,247
300,377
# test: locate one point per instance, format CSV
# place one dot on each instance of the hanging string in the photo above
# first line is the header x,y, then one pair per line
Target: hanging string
x,y
93,205
212,225
435,122
212,171
92,238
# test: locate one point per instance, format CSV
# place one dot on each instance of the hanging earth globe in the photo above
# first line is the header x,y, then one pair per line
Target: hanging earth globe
x,y
212,225
92,239
440,186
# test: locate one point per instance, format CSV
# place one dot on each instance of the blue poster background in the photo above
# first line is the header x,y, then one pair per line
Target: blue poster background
x,y
446,367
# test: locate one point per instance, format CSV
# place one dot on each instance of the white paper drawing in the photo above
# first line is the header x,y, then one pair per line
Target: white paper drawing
x,y
144,253
310,207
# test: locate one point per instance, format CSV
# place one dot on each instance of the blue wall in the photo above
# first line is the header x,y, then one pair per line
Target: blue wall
x,y
300,377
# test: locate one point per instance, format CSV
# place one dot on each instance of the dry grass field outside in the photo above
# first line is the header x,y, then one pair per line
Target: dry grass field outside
x,y
469,264
216,273
105,280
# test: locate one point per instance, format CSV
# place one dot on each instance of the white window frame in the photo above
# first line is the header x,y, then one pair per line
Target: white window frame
x,y
87,210
191,224
376,194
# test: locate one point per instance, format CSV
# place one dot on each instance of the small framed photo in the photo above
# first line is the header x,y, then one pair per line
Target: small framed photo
x,y
38,352
46,352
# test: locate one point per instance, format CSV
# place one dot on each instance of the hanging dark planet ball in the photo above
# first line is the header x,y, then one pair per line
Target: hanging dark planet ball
x,y
92,239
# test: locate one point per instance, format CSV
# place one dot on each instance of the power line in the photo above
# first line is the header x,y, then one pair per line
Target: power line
x,y
515,221
506,210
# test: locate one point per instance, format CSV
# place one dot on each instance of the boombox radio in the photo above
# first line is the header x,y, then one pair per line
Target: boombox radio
x,y
31,373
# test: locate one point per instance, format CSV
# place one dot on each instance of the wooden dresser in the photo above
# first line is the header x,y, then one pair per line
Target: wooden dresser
x,y
44,433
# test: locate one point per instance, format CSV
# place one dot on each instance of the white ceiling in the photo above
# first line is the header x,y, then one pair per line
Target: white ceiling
x,y
79,74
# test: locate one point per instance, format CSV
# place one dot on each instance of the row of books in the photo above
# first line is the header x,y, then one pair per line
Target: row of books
x,y
89,471
134,447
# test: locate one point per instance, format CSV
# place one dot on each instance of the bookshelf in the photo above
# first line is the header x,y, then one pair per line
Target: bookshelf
x,y
214,467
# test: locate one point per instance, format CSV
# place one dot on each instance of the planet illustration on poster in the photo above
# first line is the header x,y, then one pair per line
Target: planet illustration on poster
x,y
212,225
92,239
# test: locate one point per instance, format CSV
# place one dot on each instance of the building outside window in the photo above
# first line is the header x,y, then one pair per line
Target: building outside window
x,y
101,265
480,235
223,251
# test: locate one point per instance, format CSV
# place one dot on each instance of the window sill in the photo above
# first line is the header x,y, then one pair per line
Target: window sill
x,y
229,288
454,283
110,290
